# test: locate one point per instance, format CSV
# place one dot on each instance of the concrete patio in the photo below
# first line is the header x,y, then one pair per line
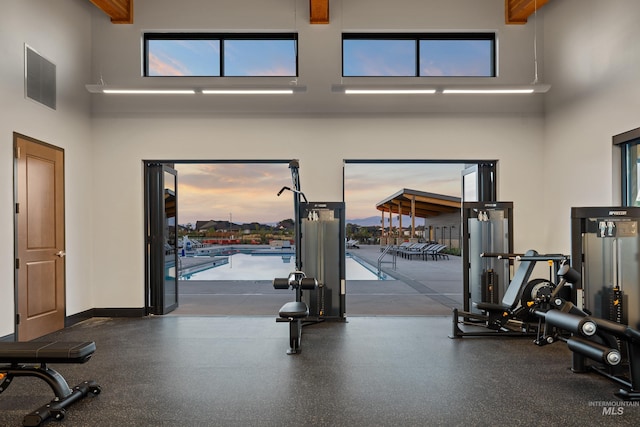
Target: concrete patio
x,y
415,288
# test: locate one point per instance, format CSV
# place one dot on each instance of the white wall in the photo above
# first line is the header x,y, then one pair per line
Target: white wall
x,y
61,32
123,142
593,68
591,65
319,127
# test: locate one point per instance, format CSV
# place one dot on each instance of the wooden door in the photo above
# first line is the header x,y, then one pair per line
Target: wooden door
x,y
40,243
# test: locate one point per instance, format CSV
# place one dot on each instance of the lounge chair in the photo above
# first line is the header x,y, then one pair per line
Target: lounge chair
x,y
435,252
351,243
414,250
401,247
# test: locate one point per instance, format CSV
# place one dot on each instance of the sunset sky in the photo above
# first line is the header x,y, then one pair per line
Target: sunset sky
x,y
361,57
247,193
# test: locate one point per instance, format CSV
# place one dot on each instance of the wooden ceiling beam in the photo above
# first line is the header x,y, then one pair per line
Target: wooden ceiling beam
x,y
120,11
319,11
518,11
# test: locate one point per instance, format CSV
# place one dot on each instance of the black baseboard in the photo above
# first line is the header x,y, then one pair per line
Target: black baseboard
x,y
119,312
103,312
88,314
77,318
8,338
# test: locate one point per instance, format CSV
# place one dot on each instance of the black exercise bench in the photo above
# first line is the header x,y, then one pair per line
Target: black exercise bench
x,y
29,359
294,312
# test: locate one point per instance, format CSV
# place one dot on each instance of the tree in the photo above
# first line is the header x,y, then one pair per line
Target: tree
x,y
287,224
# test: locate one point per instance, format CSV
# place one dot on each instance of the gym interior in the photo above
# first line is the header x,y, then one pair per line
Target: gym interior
x,y
98,346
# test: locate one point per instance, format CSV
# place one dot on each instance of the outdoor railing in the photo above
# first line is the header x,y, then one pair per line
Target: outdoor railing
x,y
394,255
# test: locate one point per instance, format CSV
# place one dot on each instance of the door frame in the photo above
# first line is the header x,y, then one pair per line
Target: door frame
x,y
155,237
153,246
484,188
484,173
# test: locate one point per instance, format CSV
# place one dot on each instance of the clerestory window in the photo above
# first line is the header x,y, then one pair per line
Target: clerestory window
x,y
220,55
418,55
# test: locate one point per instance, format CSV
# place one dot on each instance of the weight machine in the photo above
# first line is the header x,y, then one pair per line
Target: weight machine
x,y
605,252
487,227
513,316
320,268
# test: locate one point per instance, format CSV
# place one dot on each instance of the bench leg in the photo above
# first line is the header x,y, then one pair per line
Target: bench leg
x,y
295,334
50,376
56,409
64,395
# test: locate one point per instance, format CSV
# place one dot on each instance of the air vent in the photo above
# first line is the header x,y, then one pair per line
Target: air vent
x,y
40,78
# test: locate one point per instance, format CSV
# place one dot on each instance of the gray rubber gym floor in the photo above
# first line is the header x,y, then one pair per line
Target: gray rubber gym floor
x,y
368,371
219,360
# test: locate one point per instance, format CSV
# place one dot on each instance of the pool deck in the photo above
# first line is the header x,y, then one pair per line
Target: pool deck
x,y
417,288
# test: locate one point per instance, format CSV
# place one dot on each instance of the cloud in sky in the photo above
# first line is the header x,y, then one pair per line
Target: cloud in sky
x,y
184,57
379,57
362,57
246,192
455,57
201,57
397,57
167,67
243,191
368,184
260,57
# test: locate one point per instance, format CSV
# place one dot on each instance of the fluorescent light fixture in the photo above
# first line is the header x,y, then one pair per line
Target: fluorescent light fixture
x,y
149,91
389,91
247,91
442,89
487,91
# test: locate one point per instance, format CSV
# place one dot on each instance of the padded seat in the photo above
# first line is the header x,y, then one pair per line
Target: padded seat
x,y
46,352
513,294
489,306
294,309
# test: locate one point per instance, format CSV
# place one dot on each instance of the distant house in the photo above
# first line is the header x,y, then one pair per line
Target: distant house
x,y
204,225
218,226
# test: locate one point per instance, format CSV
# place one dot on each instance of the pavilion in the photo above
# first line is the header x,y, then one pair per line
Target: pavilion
x,y
416,204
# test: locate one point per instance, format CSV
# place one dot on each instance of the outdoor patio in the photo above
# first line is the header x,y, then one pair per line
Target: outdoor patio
x,y
415,288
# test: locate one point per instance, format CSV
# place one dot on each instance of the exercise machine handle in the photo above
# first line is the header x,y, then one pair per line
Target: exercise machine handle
x,y
550,257
499,255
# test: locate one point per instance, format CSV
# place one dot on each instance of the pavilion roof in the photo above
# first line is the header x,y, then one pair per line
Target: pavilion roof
x,y
426,204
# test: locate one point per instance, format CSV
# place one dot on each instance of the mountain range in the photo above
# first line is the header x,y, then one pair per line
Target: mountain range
x,y
374,221
371,221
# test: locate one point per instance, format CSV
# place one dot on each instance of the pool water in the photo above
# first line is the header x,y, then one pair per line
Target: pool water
x,y
266,267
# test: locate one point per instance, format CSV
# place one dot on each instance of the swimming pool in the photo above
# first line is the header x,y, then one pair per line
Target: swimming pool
x,y
265,267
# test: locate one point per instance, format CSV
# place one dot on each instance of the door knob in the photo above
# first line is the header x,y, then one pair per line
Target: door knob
x,y
61,254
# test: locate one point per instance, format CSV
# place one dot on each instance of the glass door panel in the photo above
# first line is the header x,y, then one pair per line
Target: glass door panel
x,y
162,241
